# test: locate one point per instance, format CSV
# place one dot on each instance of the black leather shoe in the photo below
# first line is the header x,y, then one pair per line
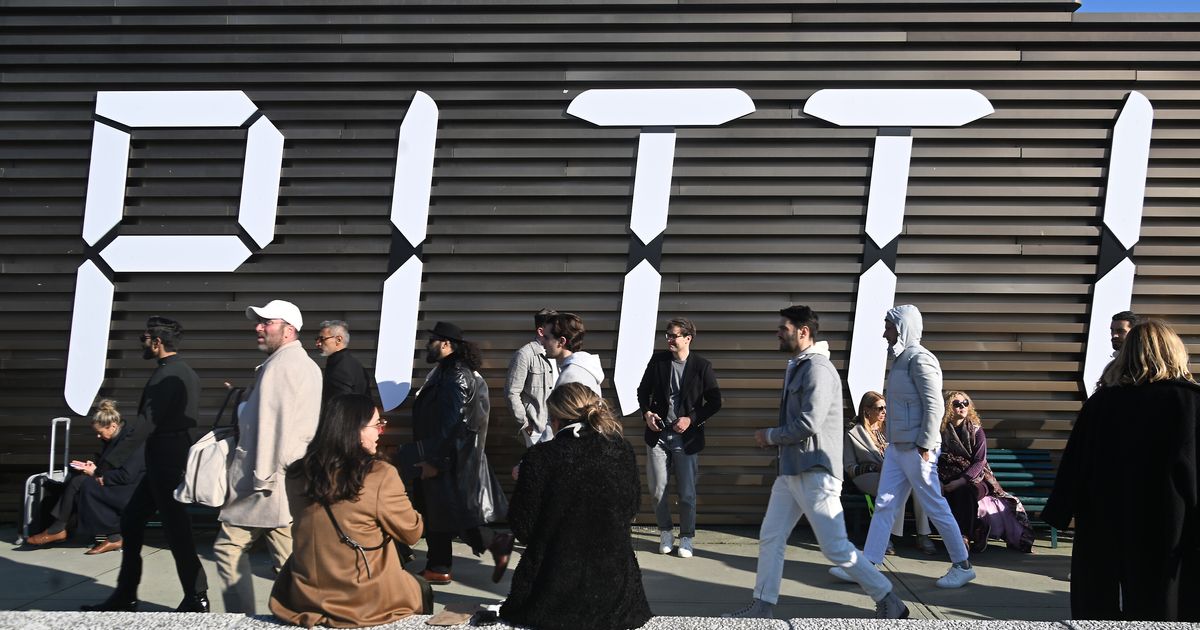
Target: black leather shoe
x,y
194,603
114,603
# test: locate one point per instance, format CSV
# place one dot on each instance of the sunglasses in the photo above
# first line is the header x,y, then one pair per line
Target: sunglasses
x,y
670,337
881,408
960,404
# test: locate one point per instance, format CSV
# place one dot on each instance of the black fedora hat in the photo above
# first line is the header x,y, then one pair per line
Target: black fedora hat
x,y
446,330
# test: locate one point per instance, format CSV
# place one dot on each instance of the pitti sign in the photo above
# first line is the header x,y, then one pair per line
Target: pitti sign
x,y
656,113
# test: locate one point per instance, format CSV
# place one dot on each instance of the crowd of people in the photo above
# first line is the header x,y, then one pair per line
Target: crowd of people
x,y
340,516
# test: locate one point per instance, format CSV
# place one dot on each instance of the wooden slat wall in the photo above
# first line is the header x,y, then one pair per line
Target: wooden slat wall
x,y
530,207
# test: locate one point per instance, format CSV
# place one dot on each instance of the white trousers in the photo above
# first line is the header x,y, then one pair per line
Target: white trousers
x,y
905,471
817,494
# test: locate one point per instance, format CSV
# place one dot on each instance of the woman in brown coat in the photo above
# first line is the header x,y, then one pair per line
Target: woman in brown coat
x,y
342,487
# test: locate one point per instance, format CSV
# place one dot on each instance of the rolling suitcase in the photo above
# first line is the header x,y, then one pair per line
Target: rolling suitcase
x,y
43,489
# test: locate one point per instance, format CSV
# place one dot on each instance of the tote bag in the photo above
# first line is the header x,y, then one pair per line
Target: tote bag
x,y
206,480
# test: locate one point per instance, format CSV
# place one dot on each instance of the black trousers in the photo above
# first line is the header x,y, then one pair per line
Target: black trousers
x,y
68,503
440,554
166,457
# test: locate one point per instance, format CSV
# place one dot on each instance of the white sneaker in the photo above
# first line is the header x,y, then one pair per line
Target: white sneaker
x,y
665,543
685,547
840,573
956,577
757,609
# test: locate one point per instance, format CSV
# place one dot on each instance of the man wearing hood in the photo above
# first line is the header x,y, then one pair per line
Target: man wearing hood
x,y
564,342
809,439
915,409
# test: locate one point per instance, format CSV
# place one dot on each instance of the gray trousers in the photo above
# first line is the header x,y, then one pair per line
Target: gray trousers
x,y
661,460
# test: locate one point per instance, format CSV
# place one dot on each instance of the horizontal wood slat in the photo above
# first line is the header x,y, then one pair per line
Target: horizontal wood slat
x,y
530,207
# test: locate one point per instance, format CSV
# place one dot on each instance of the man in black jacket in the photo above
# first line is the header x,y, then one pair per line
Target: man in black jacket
x,y
678,394
167,413
343,373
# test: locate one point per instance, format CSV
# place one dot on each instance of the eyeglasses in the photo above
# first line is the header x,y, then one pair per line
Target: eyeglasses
x,y
322,339
267,322
673,337
881,408
961,404
146,338
379,426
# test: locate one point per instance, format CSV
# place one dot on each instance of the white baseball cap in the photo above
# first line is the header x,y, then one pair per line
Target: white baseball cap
x,y
277,309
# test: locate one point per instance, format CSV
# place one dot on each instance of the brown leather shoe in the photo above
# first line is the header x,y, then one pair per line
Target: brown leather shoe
x,y
46,538
502,546
104,547
434,577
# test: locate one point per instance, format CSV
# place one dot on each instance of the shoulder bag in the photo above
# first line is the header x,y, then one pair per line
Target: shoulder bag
x,y
206,480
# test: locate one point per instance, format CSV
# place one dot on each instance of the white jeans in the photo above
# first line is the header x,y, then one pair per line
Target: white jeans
x,y
905,471
919,517
817,494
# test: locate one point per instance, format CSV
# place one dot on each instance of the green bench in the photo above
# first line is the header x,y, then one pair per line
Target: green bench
x,y
1027,474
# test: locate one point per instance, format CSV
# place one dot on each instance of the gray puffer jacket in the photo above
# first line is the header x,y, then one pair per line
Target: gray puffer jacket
x,y
914,386
809,434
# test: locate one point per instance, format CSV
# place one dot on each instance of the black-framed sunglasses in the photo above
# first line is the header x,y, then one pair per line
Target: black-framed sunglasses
x,y
146,338
881,408
672,337
960,404
322,339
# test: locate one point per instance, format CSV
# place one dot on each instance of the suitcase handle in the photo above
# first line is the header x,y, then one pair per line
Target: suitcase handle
x,y
66,423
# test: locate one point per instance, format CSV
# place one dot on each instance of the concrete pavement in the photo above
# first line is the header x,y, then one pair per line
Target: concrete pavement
x,y
1010,586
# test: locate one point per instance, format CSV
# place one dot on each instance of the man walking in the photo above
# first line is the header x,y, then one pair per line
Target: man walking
x,y
343,373
678,394
531,376
455,489
915,406
809,439
168,410
274,429
564,343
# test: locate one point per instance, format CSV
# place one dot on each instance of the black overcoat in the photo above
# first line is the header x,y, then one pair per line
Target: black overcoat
x,y
343,375
574,502
1129,477
122,468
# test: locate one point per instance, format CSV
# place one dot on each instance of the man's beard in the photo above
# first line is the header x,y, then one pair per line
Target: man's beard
x,y
430,357
147,353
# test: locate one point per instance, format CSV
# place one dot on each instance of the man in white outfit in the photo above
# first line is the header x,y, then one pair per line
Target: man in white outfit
x,y
915,409
809,439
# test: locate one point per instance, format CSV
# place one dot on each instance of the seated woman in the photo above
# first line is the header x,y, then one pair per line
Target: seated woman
x,y
348,507
575,499
863,459
980,506
96,493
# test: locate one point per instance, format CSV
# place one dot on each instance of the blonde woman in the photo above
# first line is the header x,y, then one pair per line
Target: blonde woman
x,y
98,489
576,497
1130,478
980,506
865,444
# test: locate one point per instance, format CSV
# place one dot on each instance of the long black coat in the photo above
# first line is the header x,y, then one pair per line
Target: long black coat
x,y
343,375
1130,479
122,468
450,418
699,396
574,502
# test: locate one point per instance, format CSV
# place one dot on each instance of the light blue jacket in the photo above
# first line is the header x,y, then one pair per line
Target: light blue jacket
x,y
914,386
809,434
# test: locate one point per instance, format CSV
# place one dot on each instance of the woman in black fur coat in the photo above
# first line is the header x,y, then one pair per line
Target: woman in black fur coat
x,y
1130,477
576,497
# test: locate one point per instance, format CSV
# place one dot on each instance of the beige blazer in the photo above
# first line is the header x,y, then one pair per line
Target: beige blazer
x,y
275,426
859,449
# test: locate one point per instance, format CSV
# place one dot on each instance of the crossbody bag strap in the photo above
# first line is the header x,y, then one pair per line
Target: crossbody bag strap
x,y
354,544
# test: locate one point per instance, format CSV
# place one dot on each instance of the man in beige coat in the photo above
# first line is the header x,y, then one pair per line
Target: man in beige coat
x,y
275,426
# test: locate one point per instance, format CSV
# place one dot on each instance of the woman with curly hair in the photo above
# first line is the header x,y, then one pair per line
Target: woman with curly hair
x,y
982,508
349,506
576,497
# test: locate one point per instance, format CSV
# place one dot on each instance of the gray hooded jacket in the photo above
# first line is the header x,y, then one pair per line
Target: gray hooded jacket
x,y
582,367
809,434
914,386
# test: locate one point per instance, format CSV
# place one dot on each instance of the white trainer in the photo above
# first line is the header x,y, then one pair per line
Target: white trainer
x,y
685,547
665,543
956,577
840,573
